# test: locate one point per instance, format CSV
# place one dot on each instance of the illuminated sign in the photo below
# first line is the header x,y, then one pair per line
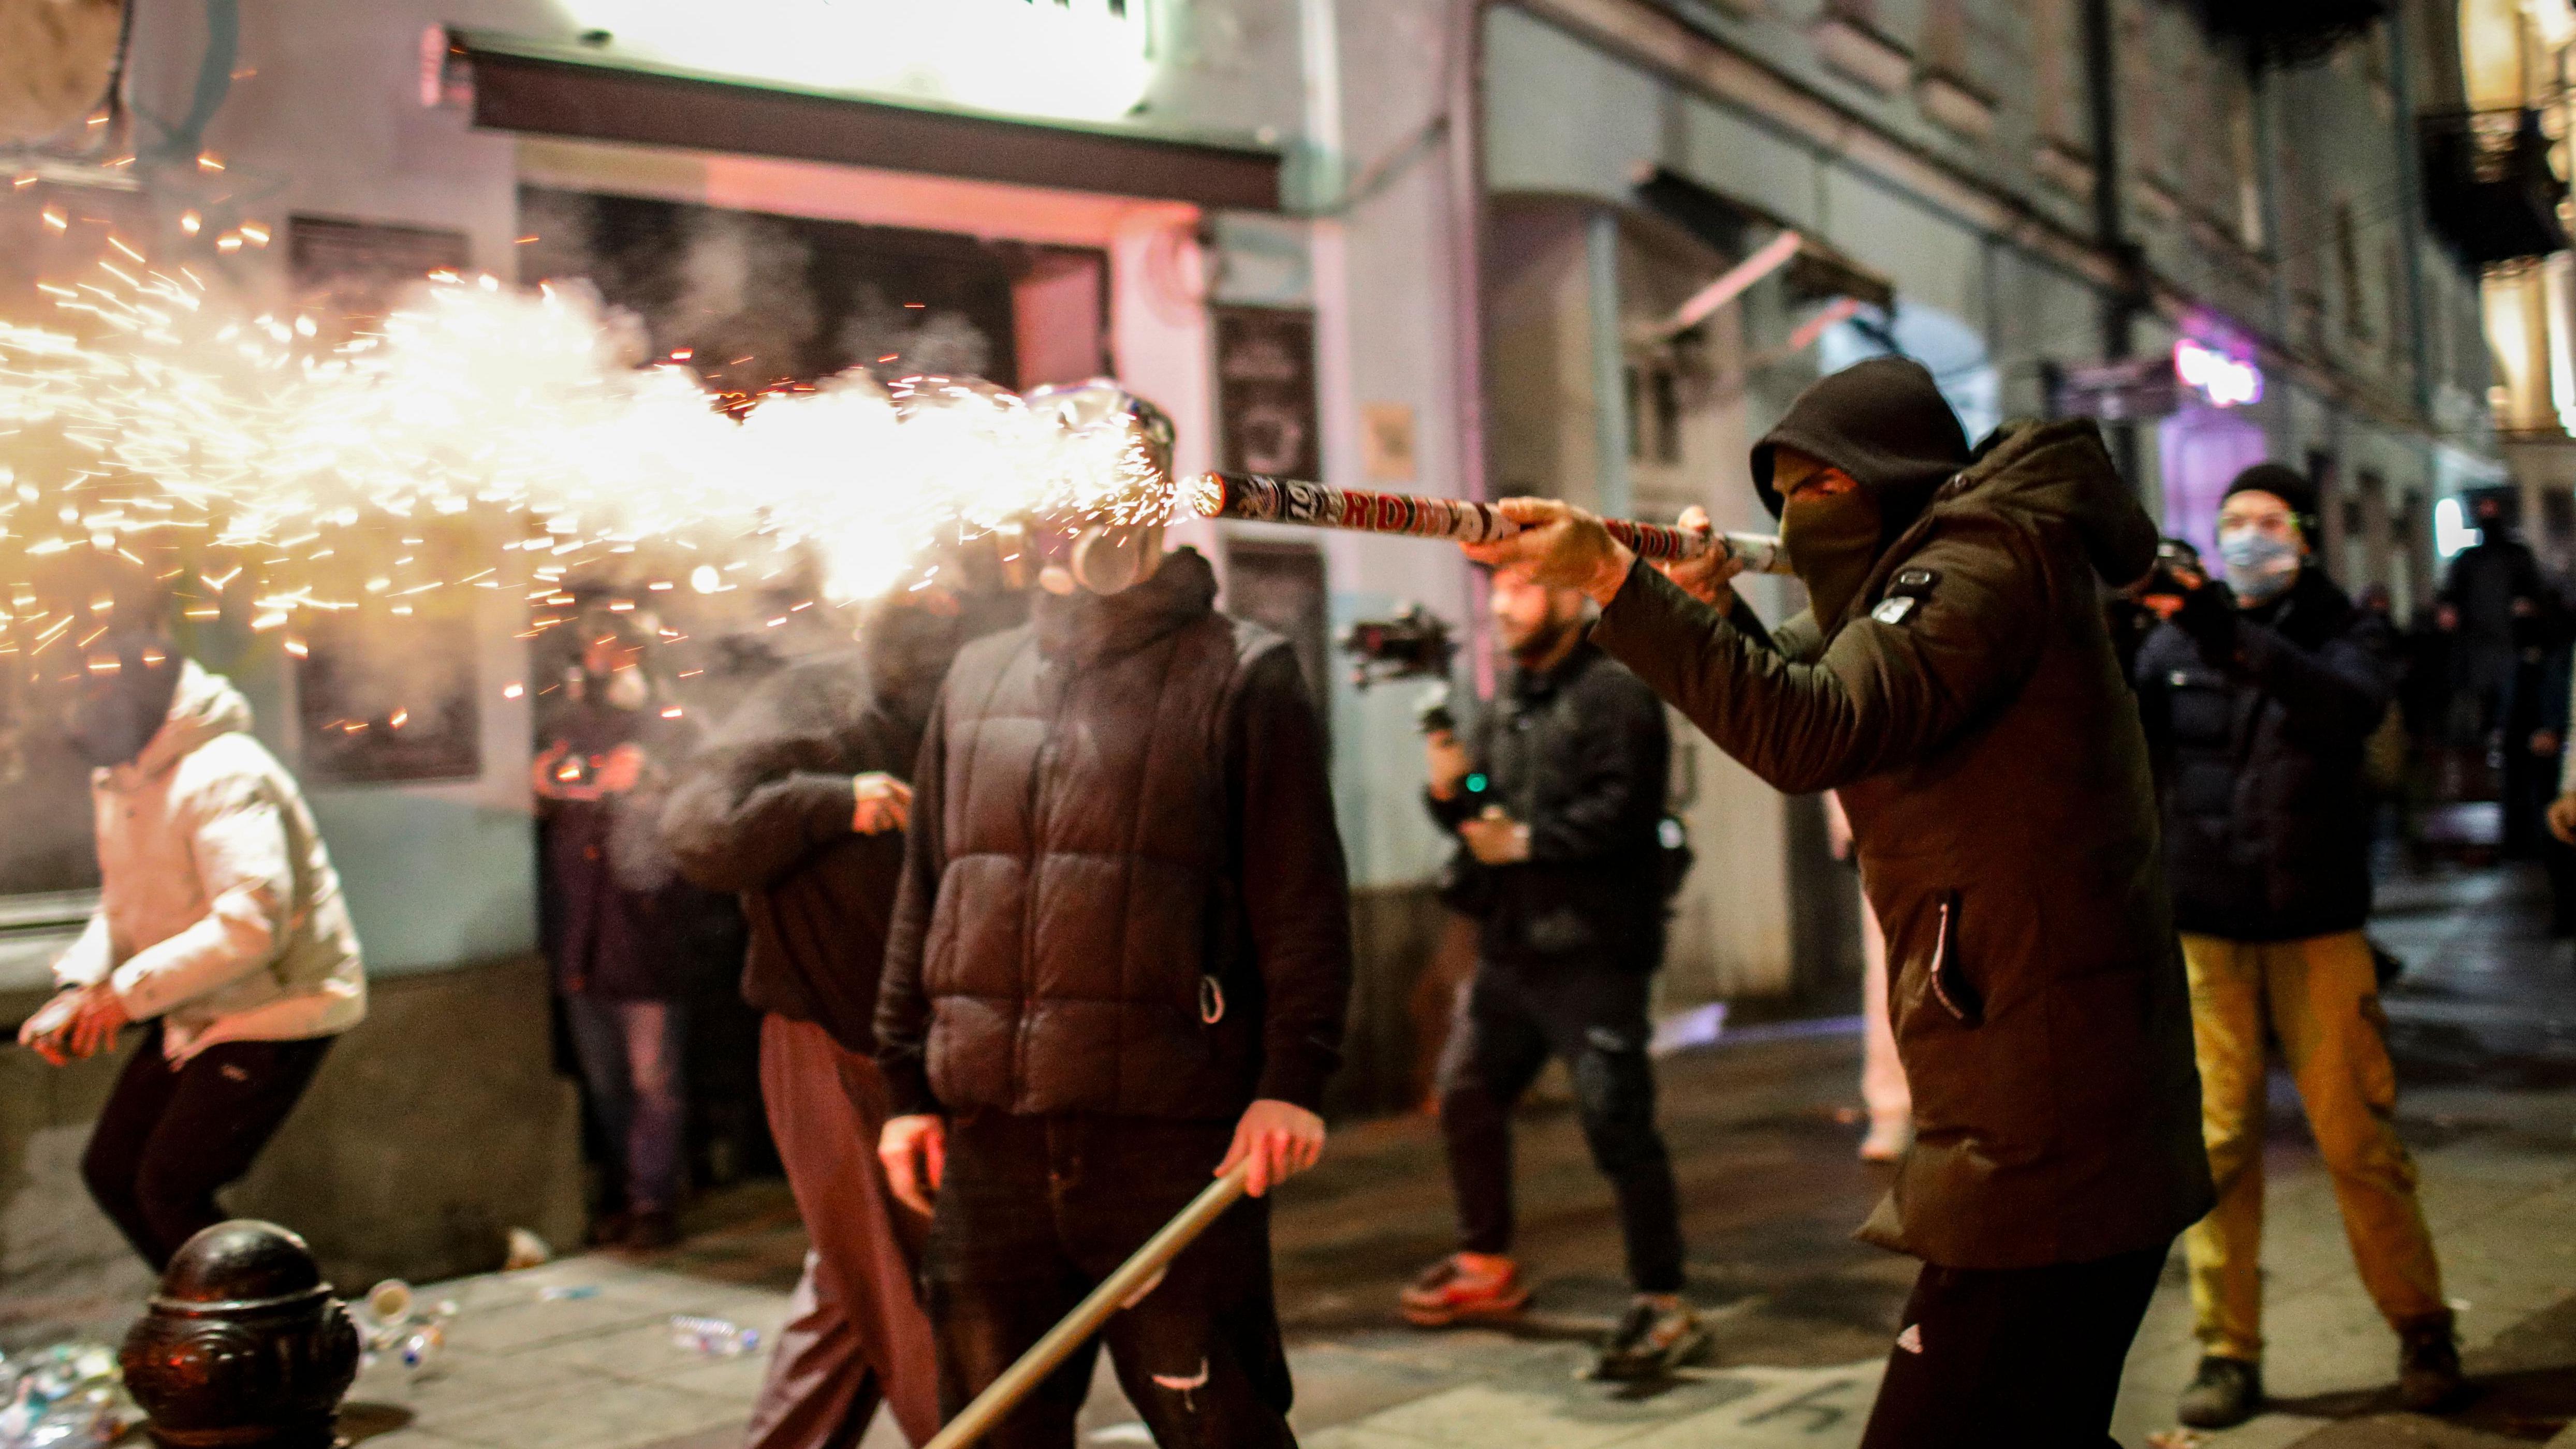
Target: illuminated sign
x,y
1069,59
2225,381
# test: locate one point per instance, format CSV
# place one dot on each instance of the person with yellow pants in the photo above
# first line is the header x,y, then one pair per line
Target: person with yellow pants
x,y
2259,695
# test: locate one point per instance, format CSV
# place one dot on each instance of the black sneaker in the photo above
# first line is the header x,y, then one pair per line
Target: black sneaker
x,y
2225,1393
2428,1367
1650,1343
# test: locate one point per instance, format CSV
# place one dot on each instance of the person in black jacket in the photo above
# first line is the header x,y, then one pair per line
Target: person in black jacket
x,y
2259,696
623,931
1556,799
800,804
1118,967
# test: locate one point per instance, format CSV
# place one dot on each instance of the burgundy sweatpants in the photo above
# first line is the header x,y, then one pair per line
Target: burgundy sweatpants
x,y
858,1334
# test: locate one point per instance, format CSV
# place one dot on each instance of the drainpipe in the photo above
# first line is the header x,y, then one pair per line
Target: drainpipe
x,y
2110,231
1468,217
1612,494
1467,240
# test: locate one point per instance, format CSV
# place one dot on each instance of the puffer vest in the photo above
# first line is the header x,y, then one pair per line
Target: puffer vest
x,y
1087,953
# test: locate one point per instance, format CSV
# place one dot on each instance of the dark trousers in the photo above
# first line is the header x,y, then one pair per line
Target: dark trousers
x,y
631,1065
2012,1356
857,1334
170,1136
1593,1016
1036,1211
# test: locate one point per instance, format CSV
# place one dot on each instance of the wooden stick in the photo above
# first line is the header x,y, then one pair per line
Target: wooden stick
x,y
1114,1293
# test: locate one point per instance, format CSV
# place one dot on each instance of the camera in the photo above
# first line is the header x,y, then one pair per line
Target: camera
x,y
1410,644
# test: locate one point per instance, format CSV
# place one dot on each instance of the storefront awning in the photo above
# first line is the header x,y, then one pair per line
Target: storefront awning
x,y
558,89
1740,229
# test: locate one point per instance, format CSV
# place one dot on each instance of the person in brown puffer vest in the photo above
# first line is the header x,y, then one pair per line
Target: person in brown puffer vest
x,y
1118,965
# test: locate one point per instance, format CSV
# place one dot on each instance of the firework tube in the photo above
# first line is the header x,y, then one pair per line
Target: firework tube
x,y
1318,505
1134,1279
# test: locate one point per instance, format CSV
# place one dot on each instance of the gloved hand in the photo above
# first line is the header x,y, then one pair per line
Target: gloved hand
x,y
2208,615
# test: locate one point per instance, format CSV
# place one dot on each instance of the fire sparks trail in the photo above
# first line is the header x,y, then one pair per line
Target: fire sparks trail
x,y
243,457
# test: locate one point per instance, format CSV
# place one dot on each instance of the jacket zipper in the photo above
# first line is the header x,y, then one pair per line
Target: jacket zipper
x,y
1035,805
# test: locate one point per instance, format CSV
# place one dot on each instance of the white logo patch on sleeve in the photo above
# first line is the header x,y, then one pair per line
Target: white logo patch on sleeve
x,y
1911,1340
1895,610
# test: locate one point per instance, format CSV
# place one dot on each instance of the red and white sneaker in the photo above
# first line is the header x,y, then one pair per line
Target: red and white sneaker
x,y
1465,1288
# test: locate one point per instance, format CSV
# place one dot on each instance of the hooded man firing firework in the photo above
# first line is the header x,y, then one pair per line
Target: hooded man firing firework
x,y
1955,682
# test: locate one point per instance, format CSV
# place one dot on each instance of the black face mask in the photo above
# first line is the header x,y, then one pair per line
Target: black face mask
x,y
1834,540
118,712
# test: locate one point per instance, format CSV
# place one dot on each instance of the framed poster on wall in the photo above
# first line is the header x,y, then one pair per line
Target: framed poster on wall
x,y
1265,391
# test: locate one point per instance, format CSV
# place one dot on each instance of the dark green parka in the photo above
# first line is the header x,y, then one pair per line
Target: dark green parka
x,y
1991,760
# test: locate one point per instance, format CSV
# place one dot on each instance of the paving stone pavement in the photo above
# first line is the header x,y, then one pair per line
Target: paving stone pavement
x,y
2484,1024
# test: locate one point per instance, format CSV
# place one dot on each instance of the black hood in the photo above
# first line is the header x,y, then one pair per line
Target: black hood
x,y
908,648
116,711
1885,423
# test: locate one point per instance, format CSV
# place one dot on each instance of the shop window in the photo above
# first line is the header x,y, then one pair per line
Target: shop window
x,y
751,300
1280,586
1654,412
44,804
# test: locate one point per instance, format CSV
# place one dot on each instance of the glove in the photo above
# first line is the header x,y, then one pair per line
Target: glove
x,y
2208,615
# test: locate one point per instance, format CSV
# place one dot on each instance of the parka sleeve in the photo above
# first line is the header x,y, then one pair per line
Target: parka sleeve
x,y
1880,696
246,873
90,956
1296,892
758,799
742,816
903,1007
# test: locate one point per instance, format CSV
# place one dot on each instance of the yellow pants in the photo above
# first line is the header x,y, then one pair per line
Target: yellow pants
x,y
2320,999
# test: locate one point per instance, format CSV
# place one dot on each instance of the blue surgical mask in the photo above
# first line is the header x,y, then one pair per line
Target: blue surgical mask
x,y
2260,566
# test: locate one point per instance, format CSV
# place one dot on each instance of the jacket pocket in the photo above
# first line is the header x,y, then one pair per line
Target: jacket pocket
x,y
1949,974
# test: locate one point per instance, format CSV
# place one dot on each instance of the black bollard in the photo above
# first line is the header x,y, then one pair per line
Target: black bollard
x,y
244,1346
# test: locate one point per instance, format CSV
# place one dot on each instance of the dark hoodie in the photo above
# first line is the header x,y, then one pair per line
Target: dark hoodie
x,y
1885,423
1124,892
767,809
1969,708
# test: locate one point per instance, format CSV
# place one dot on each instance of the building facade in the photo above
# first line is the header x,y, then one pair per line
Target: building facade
x,y
1462,247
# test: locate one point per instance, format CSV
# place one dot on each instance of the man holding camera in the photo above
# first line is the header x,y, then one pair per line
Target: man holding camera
x,y
1556,800
1955,683
2260,695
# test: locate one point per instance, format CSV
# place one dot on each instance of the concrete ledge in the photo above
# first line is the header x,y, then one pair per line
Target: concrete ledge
x,y
436,1125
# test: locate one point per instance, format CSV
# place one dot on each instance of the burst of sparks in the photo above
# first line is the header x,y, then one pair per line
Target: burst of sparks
x,y
243,456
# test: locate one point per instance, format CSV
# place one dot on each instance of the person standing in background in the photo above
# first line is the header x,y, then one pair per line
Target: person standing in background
x,y
619,925
800,803
220,927
2259,696
2494,596
1558,795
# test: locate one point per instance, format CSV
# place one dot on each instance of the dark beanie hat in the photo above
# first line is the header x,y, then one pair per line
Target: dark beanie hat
x,y
2281,481
1882,421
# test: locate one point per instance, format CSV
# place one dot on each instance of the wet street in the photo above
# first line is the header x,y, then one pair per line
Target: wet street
x,y
2483,1021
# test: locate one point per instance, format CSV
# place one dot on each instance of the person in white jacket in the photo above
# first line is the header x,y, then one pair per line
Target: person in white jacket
x,y
220,927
